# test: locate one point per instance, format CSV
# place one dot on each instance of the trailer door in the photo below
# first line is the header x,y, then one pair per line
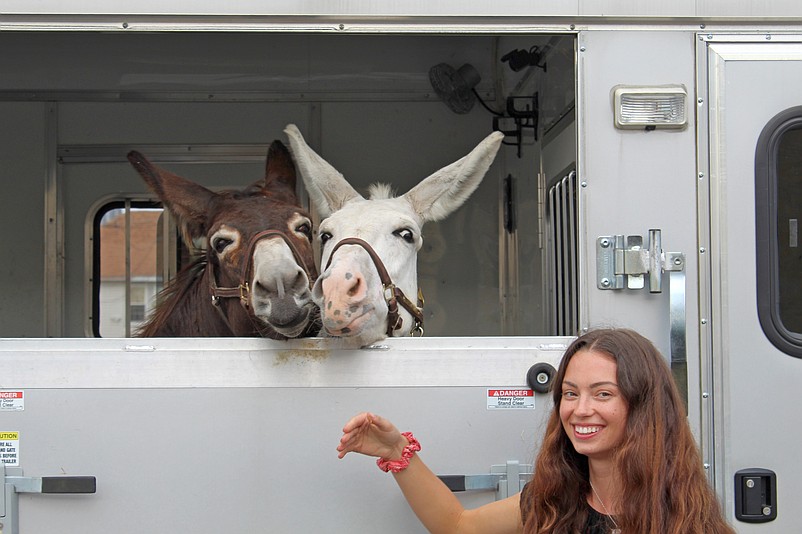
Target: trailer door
x,y
211,437
749,102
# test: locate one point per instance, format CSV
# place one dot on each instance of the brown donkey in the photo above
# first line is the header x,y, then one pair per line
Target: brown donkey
x,y
253,276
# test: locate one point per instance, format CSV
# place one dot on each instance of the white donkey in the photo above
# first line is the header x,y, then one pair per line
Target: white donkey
x,y
377,240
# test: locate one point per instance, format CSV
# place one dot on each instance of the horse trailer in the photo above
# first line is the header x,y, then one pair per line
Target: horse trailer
x,y
648,178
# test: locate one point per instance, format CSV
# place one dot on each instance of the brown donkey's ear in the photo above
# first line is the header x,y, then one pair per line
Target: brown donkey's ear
x,y
187,201
280,176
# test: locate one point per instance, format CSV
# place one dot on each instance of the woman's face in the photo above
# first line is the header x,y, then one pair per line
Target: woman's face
x,y
592,410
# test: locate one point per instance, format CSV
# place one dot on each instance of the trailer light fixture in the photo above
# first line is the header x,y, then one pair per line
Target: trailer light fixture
x,y
649,108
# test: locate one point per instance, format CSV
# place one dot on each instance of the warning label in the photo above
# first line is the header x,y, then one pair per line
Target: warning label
x,y
9,448
510,399
12,400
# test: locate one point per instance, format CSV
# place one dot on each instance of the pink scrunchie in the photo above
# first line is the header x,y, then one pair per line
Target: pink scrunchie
x,y
396,466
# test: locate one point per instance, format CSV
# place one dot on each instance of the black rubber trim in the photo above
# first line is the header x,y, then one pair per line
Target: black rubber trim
x,y
768,290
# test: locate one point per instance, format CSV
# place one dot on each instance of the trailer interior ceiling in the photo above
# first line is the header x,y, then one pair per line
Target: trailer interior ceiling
x,y
207,105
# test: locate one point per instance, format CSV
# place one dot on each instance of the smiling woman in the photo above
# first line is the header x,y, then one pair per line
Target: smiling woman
x,y
618,454
619,437
593,412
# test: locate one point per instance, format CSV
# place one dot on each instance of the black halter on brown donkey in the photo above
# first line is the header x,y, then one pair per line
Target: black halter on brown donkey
x,y
253,276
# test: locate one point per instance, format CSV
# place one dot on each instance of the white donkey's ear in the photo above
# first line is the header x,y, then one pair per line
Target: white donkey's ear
x,y
327,188
445,190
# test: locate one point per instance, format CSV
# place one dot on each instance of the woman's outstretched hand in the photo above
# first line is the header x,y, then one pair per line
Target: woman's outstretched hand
x,y
371,435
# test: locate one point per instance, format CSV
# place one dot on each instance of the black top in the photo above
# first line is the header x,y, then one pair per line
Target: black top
x,y
597,522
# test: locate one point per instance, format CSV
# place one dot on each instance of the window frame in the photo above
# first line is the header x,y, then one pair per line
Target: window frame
x,y
766,231
173,265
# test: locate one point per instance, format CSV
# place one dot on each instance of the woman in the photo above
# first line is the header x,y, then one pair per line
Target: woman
x,y
618,455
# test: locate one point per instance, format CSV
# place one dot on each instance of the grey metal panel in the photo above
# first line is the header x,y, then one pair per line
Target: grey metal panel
x,y
135,123
23,179
316,7
418,8
755,387
635,180
240,435
623,8
245,362
233,66
53,305
242,461
749,8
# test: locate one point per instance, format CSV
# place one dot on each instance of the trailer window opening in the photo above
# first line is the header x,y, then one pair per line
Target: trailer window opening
x,y
128,265
778,191
486,270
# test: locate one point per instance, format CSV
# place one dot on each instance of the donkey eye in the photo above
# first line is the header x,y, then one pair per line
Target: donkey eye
x,y
220,244
305,229
405,234
324,236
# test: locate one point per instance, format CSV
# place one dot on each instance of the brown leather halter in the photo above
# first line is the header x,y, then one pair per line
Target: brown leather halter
x,y
392,294
242,291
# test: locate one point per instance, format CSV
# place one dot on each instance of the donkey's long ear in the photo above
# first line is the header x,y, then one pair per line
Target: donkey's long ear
x,y
187,201
280,177
327,188
445,190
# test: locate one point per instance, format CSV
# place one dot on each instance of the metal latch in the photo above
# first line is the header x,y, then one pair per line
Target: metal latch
x,y
755,495
505,480
622,262
14,483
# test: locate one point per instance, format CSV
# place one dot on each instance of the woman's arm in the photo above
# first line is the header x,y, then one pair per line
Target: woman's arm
x,y
434,504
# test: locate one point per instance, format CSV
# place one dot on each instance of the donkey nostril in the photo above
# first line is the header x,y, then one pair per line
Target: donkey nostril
x,y
300,281
355,287
262,291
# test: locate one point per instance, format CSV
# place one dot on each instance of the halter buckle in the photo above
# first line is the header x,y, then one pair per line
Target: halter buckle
x,y
389,291
244,291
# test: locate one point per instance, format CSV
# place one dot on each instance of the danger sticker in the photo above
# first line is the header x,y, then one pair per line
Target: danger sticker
x,y
510,399
12,400
9,448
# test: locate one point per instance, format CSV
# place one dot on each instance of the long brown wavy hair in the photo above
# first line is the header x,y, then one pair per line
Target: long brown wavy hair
x,y
665,490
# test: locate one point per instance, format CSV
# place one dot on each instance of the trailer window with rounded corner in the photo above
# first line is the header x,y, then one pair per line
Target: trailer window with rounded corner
x,y
504,264
129,267
778,210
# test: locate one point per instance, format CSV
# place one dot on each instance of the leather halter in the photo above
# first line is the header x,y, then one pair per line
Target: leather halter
x,y
392,293
242,291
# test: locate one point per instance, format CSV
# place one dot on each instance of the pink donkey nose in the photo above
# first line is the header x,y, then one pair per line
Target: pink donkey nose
x,y
344,292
